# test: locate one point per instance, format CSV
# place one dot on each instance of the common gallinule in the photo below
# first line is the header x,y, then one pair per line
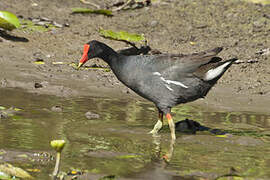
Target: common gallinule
x,y
165,79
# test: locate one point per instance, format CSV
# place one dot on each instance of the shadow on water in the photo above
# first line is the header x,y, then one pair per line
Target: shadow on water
x,y
117,142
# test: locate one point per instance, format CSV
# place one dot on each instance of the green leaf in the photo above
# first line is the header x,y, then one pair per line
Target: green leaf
x,y
129,156
39,61
17,109
93,11
8,20
29,26
14,171
4,176
222,136
109,177
121,35
22,156
2,108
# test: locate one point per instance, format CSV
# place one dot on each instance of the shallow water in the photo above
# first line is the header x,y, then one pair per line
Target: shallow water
x,y
117,142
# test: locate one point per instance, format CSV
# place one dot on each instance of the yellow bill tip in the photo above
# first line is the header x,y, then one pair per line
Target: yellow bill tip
x,y
79,65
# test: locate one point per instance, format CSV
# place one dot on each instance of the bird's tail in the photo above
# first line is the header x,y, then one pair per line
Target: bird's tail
x,y
216,72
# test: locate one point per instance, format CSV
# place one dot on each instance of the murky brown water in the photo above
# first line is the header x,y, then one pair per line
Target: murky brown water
x,y
117,143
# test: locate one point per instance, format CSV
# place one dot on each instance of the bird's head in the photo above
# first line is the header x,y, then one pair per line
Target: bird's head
x,y
91,50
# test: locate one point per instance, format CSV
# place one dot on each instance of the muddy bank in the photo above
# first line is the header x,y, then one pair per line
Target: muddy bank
x,y
172,26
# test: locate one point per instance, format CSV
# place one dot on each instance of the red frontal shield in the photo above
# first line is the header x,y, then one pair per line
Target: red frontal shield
x,y
85,52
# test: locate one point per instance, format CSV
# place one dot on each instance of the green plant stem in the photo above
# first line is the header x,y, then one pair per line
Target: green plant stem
x,y
57,165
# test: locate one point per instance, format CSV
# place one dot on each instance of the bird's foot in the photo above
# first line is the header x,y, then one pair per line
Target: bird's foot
x,y
154,133
166,158
156,128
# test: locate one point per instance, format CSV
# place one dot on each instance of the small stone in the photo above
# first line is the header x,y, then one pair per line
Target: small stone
x,y
90,115
3,115
153,23
259,23
3,83
44,83
38,56
252,61
38,85
42,23
57,24
66,25
263,51
56,109
45,19
34,4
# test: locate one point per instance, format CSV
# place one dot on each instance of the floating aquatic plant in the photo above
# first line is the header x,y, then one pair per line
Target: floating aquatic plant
x,y
58,146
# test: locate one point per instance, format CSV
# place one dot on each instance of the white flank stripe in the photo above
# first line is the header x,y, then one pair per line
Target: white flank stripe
x,y
157,73
173,82
168,87
176,83
213,73
163,79
169,82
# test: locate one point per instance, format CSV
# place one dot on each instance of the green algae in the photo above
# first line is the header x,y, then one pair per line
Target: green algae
x,y
29,26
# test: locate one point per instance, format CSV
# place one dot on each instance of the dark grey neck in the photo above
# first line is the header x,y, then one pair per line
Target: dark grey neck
x,y
108,54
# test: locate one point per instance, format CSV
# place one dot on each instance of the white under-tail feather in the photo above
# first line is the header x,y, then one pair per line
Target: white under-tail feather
x,y
213,73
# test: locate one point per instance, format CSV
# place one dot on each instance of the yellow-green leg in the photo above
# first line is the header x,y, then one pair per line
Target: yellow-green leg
x,y
158,125
171,125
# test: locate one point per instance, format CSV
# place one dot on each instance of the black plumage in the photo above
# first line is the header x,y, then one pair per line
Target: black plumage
x,y
165,79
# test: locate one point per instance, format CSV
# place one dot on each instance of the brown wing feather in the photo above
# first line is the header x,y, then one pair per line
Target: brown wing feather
x,y
198,62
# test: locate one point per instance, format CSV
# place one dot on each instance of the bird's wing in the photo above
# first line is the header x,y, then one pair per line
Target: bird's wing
x,y
167,68
188,63
174,66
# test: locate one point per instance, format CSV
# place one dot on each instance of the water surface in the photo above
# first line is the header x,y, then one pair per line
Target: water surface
x,y
117,142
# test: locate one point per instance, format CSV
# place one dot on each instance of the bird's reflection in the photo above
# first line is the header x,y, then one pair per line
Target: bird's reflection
x,y
186,126
166,157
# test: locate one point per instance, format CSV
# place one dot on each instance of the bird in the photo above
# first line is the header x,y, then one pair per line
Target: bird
x,y
166,80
